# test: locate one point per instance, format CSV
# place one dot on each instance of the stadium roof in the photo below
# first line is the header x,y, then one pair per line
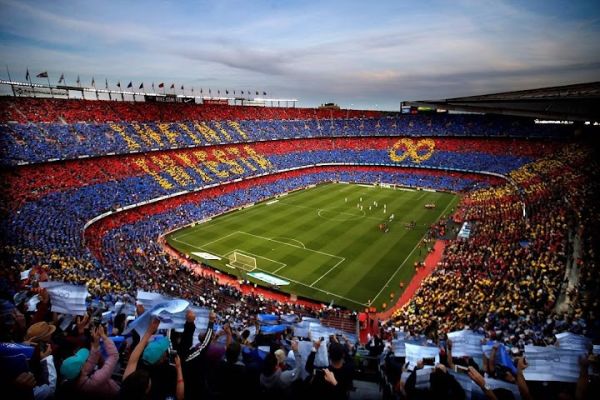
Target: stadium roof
x,y
580,102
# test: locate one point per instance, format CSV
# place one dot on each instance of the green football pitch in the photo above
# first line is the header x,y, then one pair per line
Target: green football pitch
x,y
323,243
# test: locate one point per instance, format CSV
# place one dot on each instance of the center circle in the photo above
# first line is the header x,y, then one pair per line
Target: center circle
x,y
340,216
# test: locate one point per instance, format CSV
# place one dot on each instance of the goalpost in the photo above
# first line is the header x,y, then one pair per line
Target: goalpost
x,y
242,261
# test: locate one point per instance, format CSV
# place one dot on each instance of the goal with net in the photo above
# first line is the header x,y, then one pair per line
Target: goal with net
x,y
242,261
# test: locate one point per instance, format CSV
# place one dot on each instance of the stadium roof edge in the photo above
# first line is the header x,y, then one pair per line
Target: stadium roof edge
x,y
578,102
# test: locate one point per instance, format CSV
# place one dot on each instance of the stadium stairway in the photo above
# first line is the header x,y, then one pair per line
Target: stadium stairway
x,y
364,390
430,263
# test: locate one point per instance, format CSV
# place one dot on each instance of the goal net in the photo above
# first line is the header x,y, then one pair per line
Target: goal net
x,y
242,261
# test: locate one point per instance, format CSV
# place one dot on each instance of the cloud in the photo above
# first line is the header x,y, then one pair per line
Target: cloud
x,y
350,52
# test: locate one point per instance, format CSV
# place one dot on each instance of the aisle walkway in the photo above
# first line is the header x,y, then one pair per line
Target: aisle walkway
x,y
430,263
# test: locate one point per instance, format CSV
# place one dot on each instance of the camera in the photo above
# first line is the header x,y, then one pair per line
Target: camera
x,y
43,347
428,361
172,355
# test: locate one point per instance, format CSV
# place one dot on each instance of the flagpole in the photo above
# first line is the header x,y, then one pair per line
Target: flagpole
x,y
49,87
10,79
28,77
106,86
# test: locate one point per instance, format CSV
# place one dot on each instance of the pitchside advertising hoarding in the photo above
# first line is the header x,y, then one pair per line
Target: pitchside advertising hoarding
x,y
31,91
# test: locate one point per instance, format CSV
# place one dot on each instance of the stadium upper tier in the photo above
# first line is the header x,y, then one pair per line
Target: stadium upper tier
x,y
46,130
48,204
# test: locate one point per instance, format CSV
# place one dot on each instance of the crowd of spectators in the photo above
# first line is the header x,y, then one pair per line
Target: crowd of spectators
x,y
74,130
149,175
507,280
46,354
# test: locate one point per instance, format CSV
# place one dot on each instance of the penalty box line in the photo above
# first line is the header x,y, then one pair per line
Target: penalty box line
x,y
292,245
284,265
280,276
313,288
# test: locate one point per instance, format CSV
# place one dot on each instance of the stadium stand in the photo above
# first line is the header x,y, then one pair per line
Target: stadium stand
x,y
91,187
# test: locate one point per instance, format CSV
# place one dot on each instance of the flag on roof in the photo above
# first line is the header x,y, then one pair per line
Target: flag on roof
x,y
161,85
130,84
119,84
141,85
78,80
93,82
264,93
42,74
27,77
152,85
172,86
62,78
181,87
106,83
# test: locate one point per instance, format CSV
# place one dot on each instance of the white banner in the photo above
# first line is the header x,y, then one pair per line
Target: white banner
x,y
67,298
465,343
414,353
552,364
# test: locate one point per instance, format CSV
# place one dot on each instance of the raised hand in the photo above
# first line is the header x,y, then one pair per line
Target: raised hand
x,y
82,323
521,364
190,316
96,333
476,377
153,327
330,377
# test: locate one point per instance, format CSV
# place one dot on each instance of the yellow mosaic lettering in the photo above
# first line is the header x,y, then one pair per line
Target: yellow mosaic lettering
x,y
188,162
211,165
140,162
258,158
175,171
234,151
223,131
191,134
131,144
171,136
236,127
208,133
148,135
234,166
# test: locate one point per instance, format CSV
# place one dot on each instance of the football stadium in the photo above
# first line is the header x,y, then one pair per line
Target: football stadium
x,y
162,239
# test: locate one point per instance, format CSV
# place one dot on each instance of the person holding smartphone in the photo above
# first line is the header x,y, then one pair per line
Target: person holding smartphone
x,y
335,381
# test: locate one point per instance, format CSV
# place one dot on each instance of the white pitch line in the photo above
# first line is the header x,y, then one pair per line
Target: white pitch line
x,y
363,215
331,269
200,248
304,284
280,268
294,240
407,257
281,276
258,256
289,244
205,244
